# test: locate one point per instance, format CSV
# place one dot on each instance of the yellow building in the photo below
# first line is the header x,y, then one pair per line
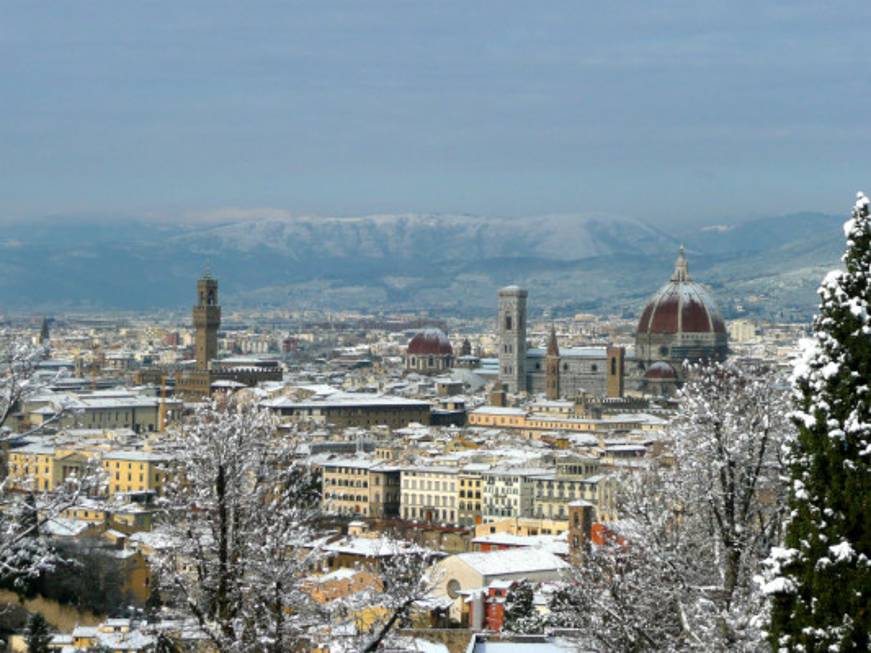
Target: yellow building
x,y
469,499
136,471
341,583
31,467
523,526
45,467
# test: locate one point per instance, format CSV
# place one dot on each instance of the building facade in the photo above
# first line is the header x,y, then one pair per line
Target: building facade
x,y
430,494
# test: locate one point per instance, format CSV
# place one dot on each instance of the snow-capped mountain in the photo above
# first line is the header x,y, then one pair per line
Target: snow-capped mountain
x,y
447,262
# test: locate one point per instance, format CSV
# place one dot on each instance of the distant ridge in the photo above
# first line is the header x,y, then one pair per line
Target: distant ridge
x,y
454,263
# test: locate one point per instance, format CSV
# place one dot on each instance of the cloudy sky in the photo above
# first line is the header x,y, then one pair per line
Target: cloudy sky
x,y
667,111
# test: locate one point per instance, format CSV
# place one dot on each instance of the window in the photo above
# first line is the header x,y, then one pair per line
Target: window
x,y
614,366
507,322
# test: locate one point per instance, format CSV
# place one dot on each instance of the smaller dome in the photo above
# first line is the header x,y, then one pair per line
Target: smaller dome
x,y
660,371
430,342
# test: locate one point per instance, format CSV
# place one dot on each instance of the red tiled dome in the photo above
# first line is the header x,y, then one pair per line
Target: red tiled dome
x,y
430,342
660,371
681,306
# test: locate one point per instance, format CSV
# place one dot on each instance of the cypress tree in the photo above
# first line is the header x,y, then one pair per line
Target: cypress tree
x,y
521,615
820,580
37,635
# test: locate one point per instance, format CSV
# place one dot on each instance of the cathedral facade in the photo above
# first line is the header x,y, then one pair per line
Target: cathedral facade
x,y
680,322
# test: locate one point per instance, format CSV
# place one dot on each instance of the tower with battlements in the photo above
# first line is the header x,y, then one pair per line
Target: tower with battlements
x,y
207,320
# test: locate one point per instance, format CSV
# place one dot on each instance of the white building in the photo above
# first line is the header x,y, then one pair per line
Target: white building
x,y
509,492
429,494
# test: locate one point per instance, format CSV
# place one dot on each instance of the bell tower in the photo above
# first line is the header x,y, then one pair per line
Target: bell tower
x,y
552,367
511,332
207,319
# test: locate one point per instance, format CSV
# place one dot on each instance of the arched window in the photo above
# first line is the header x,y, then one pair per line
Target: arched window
x,y
614,366
507,322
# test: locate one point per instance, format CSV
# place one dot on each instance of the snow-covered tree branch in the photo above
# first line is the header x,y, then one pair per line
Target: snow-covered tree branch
x,y
680,575
239,516
25,552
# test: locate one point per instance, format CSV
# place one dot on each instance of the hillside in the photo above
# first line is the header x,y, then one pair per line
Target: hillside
x,y
444,262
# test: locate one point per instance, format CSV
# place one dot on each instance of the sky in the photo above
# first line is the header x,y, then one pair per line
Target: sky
x,y
671,112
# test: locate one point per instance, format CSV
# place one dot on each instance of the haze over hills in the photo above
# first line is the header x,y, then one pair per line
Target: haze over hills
x,y
451,263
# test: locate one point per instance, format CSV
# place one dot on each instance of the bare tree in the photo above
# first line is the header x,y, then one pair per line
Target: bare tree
x,y
408,581
18,362
24,550
241,515
694,532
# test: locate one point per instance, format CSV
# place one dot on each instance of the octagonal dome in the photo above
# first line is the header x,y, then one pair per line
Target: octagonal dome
x,y
681,306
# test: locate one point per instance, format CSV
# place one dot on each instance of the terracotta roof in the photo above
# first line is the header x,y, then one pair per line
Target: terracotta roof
x,y
681,306
430,341
660,371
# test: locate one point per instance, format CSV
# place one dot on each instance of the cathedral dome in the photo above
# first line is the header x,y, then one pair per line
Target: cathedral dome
x,y
430,342
681,306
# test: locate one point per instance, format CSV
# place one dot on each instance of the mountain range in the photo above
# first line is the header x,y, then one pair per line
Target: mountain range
x,y
450,263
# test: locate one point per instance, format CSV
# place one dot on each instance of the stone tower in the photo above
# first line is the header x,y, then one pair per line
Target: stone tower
x,y
512,338
552,367
616,356
207,319
45,332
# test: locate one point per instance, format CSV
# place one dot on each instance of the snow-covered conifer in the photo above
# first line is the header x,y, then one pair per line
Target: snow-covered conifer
x,y
37,635
521,615
820,580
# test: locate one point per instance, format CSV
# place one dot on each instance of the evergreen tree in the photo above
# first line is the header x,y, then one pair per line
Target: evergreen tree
x,y
37,634
164,644
521,616
820,580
